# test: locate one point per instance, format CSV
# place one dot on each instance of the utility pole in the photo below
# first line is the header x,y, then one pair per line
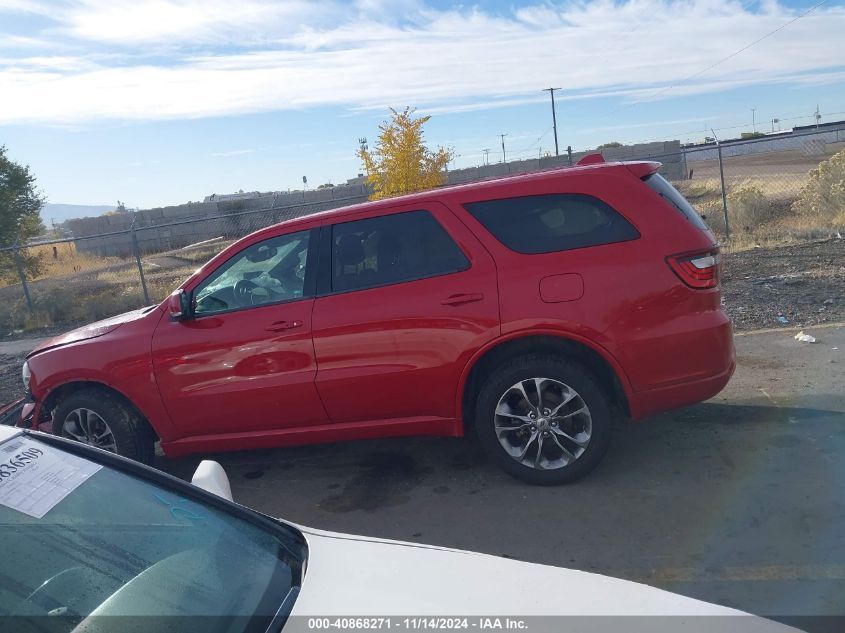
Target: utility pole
x,y
818,117
486,151
551,91
504,156
722,182
753,120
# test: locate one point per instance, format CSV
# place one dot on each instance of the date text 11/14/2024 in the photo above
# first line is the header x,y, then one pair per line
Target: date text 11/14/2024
x,y
417,623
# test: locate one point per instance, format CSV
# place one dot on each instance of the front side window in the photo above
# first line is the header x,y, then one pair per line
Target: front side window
x,y
553,222
119,546
267,272
391,249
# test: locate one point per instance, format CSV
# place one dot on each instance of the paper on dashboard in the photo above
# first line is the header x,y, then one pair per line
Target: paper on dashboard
x,y
35,477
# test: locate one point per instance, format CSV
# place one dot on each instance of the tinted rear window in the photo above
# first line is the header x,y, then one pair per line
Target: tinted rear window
x,y
550,223
665,190
391,249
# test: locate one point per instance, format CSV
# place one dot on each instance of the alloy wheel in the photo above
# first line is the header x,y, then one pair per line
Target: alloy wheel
x,y
88,427
543,423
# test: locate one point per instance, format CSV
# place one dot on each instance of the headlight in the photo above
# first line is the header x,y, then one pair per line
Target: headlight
x,y
25,374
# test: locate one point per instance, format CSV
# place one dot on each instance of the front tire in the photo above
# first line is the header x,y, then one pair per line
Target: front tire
x,y
101,419
544,419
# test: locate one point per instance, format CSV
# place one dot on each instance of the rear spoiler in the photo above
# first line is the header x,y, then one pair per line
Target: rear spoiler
x,y
645,169
640,169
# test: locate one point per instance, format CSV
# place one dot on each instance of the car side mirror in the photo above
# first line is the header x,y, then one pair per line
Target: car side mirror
x,y
211,477
179,305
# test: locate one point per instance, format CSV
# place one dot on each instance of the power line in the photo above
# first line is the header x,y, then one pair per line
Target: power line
x,y
647,18
730,127
734,54
484,153
530,147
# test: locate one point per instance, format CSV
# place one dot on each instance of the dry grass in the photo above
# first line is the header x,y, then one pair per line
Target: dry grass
x,y
761,210
64,259
823,196
80,288
81,303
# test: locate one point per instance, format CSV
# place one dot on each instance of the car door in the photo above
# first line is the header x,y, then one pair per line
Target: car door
x,y
405,298
243,362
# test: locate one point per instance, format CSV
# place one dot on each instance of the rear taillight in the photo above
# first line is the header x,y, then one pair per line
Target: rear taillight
x,y
697,270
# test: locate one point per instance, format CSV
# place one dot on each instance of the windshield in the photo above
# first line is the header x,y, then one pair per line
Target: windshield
x,y
116,545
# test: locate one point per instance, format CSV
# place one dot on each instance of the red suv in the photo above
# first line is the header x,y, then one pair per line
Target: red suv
x,y
528,308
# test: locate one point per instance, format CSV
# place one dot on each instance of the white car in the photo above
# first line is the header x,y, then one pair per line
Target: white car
x,y
93,542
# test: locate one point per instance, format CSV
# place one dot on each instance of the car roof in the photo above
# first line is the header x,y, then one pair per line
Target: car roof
x,y
448,190
337,214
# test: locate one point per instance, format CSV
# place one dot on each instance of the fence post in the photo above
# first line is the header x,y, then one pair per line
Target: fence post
x,y
724,193
137,251
22,275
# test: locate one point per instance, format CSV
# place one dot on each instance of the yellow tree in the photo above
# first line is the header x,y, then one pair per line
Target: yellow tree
x,y
400,162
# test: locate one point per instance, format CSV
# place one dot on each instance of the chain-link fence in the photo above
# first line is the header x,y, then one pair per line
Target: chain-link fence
x,y
747,190
769,188
71,281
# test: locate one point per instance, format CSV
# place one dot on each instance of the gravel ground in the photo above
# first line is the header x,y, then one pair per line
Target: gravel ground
x,y
11,385
804,284
39,333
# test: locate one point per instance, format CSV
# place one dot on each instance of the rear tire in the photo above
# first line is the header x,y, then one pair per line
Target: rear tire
x,y
554,439
98,418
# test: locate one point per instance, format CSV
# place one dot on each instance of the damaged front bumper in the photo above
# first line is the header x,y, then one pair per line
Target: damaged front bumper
x,y
18,413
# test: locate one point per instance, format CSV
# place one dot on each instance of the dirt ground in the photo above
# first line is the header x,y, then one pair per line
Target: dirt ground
x,y
791,164
803,284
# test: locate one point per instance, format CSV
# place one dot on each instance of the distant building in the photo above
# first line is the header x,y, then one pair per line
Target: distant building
x,y
745,137
241,195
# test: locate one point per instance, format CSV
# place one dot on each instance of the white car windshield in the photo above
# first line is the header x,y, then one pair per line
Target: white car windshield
x,y
119,547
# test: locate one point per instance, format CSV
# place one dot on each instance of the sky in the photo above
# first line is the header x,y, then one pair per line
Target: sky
x,y
164,101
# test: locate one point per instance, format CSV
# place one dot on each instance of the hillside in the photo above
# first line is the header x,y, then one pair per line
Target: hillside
x,y
56,212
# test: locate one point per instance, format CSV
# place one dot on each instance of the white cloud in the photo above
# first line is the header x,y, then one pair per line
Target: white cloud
x,y
129,22
192,58
21,6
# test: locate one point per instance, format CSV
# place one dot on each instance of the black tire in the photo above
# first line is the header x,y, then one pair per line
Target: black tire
x,y
559,369
133,437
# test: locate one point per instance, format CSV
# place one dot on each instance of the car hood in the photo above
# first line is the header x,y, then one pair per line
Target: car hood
x,y
92,330
354,576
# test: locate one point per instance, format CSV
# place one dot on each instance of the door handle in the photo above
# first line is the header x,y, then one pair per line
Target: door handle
x,y
462,298
281,326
